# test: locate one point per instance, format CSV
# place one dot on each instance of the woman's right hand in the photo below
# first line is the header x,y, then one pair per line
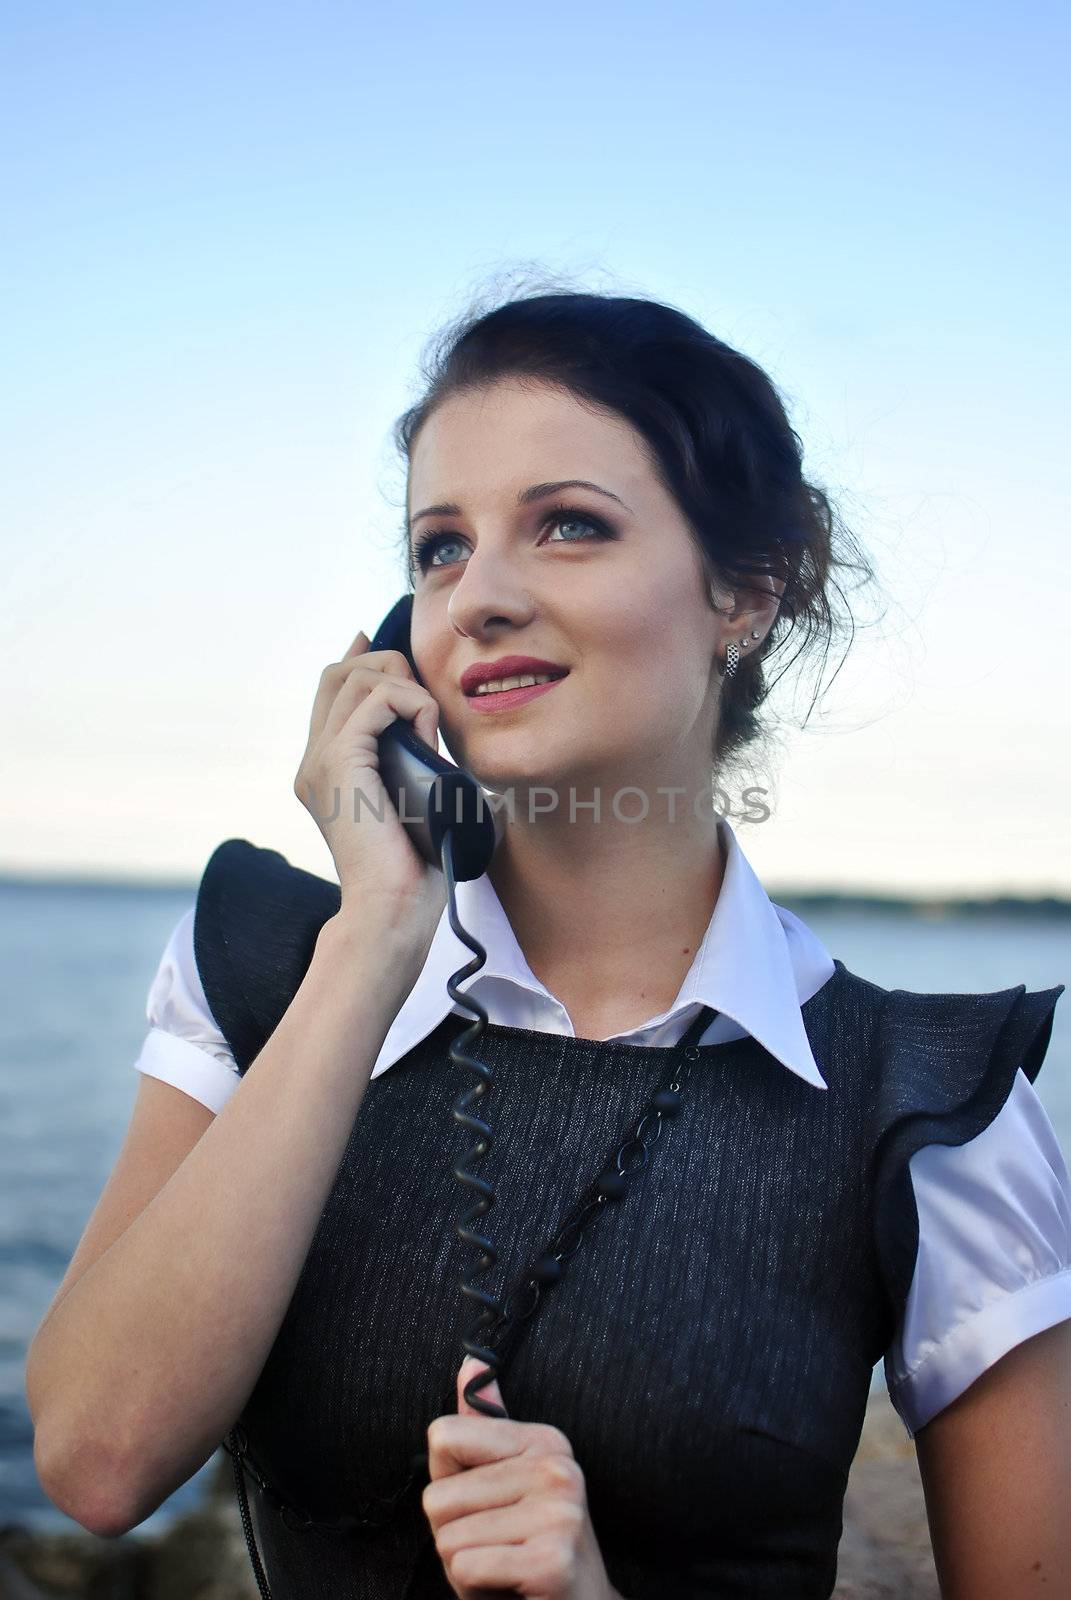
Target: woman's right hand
x,y
382,875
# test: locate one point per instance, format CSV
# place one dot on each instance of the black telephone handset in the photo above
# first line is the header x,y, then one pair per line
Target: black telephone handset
x,y
447,816
431,795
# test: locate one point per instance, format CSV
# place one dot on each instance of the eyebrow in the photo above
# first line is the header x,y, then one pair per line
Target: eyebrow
x,y
526,496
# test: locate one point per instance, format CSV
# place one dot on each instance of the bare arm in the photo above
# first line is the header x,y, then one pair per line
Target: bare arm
x,y
141,1366
996,1473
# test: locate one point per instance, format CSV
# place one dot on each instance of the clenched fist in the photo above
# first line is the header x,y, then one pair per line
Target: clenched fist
x,y
507,1504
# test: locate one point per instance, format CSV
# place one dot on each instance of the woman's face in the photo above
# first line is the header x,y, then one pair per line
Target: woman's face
x,y
611,588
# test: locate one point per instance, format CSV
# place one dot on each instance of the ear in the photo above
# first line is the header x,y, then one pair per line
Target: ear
x,y
761,595
761,599
759,605
470,1367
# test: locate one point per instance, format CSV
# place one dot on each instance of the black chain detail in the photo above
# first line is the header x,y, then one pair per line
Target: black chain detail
x,y
519,1305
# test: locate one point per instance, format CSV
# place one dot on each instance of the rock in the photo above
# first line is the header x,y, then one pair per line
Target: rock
x,y
53,1566
13,1586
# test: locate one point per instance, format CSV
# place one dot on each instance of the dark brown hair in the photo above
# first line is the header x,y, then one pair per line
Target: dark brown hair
x,y
718,438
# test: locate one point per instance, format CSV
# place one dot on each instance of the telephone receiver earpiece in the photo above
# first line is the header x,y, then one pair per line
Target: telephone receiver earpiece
x,y
430,794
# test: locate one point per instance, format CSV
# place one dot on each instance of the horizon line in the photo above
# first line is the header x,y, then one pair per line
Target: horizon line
x,y
935,901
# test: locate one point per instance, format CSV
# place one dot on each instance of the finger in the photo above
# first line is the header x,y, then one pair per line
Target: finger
x,y
471,1367
413,704
501,1524
457,1443
337,674
343,683
463,1494
331,682
498,1571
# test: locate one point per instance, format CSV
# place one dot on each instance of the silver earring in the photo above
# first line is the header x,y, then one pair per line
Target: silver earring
x,y
732,654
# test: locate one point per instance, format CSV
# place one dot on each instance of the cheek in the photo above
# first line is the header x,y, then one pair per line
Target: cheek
x,y
651,691
430,660
658,659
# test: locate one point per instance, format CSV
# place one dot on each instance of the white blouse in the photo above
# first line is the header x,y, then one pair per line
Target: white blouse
x,y
994,1257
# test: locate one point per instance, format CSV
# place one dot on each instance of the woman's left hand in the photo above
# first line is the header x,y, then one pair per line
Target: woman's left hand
x,y
508,1506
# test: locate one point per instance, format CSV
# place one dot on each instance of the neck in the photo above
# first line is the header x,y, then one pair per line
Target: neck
x,y
611,911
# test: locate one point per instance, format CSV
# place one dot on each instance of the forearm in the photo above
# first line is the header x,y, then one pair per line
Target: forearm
x,y
144,1364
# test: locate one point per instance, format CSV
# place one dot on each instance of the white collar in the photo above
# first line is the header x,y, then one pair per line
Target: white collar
x,y
757,964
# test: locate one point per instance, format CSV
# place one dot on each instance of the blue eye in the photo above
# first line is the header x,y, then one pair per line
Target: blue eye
x,y
426,544
429,542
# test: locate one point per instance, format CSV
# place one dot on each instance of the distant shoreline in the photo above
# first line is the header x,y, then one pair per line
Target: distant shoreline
x,y
931,907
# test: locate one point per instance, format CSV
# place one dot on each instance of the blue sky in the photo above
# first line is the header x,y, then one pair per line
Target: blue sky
x,y
231,229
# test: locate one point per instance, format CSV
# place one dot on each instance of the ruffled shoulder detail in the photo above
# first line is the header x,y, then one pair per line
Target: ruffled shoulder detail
x,y
947,1066
256,922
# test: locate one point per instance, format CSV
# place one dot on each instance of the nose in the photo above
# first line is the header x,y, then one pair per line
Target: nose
x,y
488,592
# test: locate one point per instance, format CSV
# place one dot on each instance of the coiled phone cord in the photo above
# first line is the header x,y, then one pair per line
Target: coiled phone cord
x,y
509,1316
492,1311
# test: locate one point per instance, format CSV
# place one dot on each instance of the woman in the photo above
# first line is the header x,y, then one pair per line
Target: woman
x,y
844,1173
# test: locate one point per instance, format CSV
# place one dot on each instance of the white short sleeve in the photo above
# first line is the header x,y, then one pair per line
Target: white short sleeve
x,y
184,1045
994,1256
